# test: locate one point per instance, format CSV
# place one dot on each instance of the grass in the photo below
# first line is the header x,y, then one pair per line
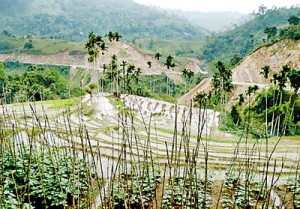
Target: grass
x,y
293,138
40,45
51,46
181,50
53,104
116,101
64,103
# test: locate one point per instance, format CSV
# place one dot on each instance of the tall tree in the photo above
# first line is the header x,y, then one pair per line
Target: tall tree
x,y
222,84
157,56
94,45
3,80
114,73
187,74
294,20
123,65
279,80
169,63
270,32
265,72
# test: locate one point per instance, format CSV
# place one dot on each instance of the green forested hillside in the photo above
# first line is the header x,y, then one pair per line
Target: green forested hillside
x,y
245,38
73,19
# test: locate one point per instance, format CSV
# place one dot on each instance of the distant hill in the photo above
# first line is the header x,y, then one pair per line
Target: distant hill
x,y
246,37
213,21
74,19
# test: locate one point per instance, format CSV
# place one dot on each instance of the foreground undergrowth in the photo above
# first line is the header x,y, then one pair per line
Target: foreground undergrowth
x,y
49,162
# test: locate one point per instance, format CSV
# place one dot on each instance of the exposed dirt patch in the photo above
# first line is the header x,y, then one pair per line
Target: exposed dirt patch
x,y
285,196
248,71
194,66
216,195
204,85
123,51
282,53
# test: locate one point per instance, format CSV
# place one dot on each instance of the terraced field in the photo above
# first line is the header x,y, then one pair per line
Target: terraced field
x,y
139,125
140,131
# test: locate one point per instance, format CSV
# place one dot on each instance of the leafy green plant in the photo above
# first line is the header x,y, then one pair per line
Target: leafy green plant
x,y
187,193
39,179
133,191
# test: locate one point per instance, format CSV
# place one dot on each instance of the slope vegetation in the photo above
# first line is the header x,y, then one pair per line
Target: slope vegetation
x,y
73,19
245,38
247,73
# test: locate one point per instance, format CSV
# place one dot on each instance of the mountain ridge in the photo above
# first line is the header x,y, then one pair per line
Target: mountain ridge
x,y
74,19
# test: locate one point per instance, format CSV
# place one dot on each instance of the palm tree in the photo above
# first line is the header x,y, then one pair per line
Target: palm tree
x,y
123,65
117,36
157,55
93,45
169,63
114,72
279,80
187,74
110,36
104,67
265,72
293,76
129,73
222,84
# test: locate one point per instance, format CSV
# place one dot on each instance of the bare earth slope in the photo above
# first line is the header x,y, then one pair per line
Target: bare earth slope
x,y
124,51
204,85
282,53
247,73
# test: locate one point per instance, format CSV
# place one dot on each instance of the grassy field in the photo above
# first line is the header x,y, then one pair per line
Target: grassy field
x,y
9,44
181,50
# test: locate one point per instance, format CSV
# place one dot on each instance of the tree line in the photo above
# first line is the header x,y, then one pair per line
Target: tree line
x,y
36,84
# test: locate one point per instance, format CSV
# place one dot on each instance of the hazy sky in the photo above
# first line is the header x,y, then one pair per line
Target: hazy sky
x,y
244,6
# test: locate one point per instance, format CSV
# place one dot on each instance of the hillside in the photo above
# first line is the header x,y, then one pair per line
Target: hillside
x,y
282,53
247,73
79,59
247,37
213,21
74,19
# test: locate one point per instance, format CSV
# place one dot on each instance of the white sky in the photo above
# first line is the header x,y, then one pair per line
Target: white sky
x,y
243,6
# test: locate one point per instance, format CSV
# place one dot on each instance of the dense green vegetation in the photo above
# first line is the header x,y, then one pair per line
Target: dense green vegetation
x,y
273,111
241,40
73,19
182,50
32,178
35,84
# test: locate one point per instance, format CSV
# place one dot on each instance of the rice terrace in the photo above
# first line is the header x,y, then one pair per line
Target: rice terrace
x,y
168,112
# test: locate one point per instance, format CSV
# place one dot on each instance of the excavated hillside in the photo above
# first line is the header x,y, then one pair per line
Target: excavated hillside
x,y
123,51
247,73
285,52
